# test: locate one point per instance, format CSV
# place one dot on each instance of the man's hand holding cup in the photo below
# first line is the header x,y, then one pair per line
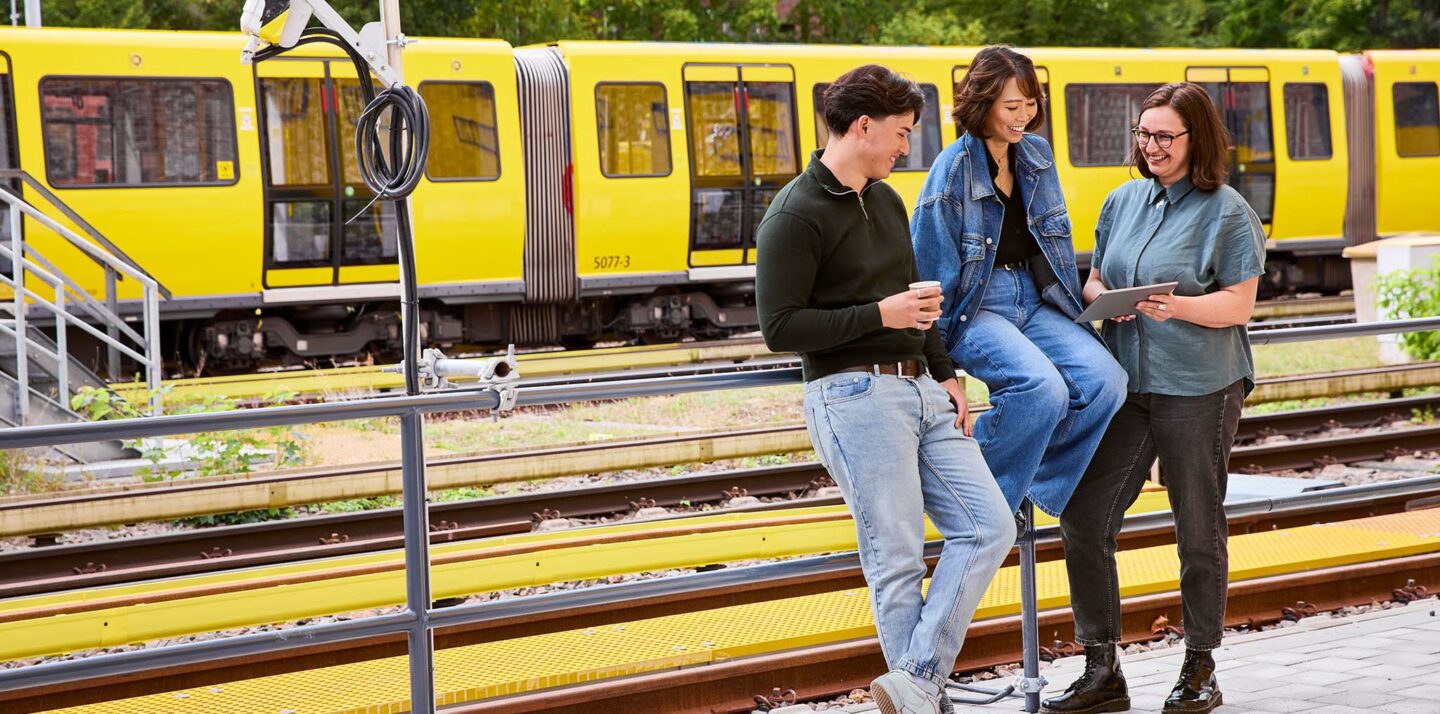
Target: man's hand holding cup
x,y
916,308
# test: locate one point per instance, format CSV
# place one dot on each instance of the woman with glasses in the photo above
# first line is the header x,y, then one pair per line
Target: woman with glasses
x,y
992,227
1189,364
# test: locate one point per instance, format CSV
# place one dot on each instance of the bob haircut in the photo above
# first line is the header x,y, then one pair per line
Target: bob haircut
x,y
871,90
981,86
1209,139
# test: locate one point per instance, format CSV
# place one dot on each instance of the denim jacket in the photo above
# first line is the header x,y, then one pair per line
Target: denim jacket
x,y
956,230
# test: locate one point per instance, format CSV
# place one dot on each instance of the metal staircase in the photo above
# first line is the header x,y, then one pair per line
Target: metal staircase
x,y
38,373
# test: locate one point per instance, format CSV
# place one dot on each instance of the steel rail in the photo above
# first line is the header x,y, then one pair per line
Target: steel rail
x,y
70,683
49,436
50,568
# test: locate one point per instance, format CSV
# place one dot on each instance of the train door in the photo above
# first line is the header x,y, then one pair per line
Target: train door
x,y
1242,94
744,147
322,229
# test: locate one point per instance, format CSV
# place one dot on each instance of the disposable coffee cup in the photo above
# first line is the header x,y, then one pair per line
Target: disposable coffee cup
x,y
925,285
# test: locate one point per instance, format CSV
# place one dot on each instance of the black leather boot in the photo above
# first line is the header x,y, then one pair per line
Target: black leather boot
x,y
1197,691
1101,688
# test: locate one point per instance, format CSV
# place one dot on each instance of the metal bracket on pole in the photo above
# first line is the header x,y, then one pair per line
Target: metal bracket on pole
x,y
284,29
498,374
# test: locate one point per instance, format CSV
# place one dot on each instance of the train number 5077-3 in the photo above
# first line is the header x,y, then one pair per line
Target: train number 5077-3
x,y
610,262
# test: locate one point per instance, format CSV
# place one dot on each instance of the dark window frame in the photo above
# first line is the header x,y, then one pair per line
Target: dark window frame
x,y
1395,116
1290,140
229,93
669,131
494,114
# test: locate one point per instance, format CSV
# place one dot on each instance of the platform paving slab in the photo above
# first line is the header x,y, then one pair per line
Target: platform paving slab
x,y
1383,662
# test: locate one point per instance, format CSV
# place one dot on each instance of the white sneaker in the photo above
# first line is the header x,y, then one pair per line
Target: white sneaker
x,y
896,693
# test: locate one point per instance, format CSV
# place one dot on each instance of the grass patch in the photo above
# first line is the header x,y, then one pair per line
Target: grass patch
x,y
1313,357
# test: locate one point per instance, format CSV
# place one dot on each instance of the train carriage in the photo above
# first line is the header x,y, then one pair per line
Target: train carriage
x,y
581,191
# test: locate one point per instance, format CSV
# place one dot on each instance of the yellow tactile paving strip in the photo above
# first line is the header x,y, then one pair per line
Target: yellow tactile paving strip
x,y
531,663
154,610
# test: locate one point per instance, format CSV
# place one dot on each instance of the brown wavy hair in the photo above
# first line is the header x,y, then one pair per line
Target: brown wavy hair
x,y
870,90
1209,139
977,92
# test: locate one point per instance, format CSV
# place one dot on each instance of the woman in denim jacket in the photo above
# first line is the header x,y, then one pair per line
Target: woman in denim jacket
x,y
991,226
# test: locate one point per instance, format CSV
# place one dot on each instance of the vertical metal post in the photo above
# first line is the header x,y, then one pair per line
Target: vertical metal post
x,y
62,350
417,562
22,334
112,303
154,360
415,493
32,13
1029,617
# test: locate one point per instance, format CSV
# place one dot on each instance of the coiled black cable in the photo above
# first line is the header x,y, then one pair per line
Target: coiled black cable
x,y
392,180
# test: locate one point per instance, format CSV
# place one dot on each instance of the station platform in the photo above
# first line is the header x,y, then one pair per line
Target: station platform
x,y
496,669
1383,662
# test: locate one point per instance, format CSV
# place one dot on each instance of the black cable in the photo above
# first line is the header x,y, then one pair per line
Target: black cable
x,y
393,180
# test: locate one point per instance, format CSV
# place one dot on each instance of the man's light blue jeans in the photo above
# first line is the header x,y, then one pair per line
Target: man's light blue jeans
x,y
892,446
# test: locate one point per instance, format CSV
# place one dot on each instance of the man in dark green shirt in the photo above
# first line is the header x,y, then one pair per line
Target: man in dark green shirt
x,y
885,411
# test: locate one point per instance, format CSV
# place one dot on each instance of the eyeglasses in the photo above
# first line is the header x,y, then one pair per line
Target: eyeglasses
x,y
1163,141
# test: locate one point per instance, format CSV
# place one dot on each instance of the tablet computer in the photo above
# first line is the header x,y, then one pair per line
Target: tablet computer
x,y
1114,303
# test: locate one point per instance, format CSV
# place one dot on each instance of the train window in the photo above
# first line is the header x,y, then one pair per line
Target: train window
x,y
924,140
1417,119
1245,109
371,236
464,145
1099,118
1307,121
138,132
634,127
294,110
302,231
770,116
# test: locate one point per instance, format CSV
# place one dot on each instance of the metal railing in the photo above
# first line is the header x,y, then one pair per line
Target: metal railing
x,y
67,302
419,619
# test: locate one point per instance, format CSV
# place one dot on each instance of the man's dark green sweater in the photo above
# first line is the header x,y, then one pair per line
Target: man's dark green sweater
x,y
827,256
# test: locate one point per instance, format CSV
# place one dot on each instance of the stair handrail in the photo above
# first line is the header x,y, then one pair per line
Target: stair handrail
x,y
25,259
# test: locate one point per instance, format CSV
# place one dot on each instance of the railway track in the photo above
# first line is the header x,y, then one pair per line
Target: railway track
x,y
134,503
823,670
68,567
349,382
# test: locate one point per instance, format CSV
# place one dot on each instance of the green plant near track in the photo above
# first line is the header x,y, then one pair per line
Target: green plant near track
x,y
1404,294
216,452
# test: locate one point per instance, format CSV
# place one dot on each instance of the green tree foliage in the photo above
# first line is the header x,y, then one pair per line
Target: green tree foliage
x,y
1344,25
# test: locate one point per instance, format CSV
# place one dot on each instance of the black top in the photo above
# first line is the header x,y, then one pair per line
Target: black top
x,y
827,255
1017,243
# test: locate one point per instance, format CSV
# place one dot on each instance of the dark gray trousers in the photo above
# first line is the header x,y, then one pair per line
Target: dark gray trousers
x,y
1192,437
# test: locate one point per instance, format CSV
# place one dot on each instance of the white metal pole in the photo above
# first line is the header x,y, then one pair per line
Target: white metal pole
x,y
62,351
22,335
32,13
154,363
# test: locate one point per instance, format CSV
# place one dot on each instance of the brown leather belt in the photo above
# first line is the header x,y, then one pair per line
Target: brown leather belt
x,y
910,368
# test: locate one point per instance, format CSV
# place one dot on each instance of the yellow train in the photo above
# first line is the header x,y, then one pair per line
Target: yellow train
x,y
594,190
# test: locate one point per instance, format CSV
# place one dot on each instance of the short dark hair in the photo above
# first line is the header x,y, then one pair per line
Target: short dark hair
x,y
872,90
977,92
1209,139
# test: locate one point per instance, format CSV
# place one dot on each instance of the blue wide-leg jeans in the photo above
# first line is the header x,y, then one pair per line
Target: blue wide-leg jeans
x,y
1053,389
892,446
